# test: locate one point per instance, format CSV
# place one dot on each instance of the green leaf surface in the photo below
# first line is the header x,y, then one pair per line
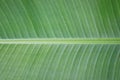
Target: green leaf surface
x,y
59,18
59,39
59,62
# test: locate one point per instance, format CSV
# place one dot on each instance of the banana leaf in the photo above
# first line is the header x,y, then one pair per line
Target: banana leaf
x,y
59,39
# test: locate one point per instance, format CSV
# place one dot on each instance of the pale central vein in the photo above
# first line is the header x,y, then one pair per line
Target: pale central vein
x,y
62,41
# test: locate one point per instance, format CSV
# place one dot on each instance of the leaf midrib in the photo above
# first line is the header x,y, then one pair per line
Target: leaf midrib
x,y
62,41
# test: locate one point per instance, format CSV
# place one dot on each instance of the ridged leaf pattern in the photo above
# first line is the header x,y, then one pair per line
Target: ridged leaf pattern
x,y
59,62
74,20
59,19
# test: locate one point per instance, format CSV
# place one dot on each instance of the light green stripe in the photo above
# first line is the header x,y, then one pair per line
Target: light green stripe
x,y
62,41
